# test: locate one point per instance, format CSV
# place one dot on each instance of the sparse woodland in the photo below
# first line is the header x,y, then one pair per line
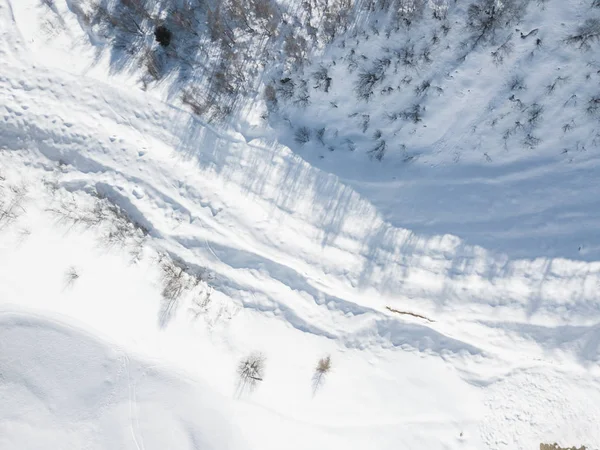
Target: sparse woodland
x,y
302,59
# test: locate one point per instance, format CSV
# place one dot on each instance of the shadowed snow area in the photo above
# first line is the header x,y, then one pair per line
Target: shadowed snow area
x,y
146,255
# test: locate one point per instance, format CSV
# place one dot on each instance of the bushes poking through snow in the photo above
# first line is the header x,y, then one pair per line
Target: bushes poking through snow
x,y
178,279
593,106
233,39
378,151
413,114
555,446
302,99
320,133
502,52
516,83
250,372
206,105
322,80
118,228
422,88
534,114
285,88
302,135
12,200
558,81
368,79
366,120
586,34
486,17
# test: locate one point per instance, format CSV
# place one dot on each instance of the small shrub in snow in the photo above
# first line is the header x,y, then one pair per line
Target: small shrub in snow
x,y
593,107
285,88
71,276
302,99
423,87
378,151
534,114
321,135
516,83
366,83
414,113
302,135
406,56
568,126
531,141
366,119
322,80
503,51
368,79
251,371
322,368
557,82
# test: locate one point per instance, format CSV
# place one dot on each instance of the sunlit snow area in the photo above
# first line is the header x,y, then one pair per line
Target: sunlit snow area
x,y
299,225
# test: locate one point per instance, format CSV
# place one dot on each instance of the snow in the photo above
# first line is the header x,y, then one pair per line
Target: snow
x,y
300,256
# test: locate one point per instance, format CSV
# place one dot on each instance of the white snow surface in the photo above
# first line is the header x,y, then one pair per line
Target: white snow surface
x,y
298,265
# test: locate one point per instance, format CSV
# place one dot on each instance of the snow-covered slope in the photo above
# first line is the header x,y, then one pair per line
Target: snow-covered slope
x,y
105,189
61,388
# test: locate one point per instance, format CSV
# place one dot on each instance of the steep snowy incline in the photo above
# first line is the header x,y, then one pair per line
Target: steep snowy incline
x,y
191,187
496,142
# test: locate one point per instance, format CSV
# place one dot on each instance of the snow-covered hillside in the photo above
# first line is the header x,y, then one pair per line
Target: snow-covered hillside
x,y
145,254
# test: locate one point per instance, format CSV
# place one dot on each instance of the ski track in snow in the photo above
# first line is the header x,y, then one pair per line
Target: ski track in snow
x,y
286,240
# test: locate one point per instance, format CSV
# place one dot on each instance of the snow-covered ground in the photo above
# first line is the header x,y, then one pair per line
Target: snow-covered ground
x,y
294,260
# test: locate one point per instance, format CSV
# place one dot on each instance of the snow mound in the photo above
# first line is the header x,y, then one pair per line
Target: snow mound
x,y
62,388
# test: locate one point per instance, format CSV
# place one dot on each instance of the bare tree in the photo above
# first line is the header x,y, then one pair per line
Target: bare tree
x,y
177,279
322,368
71,276
250,371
